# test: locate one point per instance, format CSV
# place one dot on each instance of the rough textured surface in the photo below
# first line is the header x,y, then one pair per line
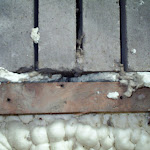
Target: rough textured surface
x,y
57,27
35,35
138,35
134,81
28,98
16,22
75,132
6,76
97,77
101,27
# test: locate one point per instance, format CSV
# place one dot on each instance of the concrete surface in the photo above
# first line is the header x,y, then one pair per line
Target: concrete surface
x,y
57,24
16,22
138,35
101,27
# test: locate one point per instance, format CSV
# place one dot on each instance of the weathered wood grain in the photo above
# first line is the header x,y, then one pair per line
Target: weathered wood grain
x,y
28,98
101,29
16,22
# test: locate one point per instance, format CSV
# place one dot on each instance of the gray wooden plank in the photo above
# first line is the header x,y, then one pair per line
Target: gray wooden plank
x,y
138,35
16,22
57,45
101,27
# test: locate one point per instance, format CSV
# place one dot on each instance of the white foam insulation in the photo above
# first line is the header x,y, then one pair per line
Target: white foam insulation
x,y
75,132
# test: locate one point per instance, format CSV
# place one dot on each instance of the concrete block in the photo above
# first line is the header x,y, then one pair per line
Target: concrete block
x,y
57,45
101,26
16,22
138,35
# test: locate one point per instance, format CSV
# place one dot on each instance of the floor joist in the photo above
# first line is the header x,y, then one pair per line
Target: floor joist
x,y
30,98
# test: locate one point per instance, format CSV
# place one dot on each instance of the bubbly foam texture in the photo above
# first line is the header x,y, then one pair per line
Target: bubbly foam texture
x,y
75,132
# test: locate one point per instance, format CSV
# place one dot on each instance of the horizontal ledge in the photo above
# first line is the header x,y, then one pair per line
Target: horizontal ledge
x,y
69,97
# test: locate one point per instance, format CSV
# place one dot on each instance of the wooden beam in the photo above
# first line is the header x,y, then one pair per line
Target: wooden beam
x,y
30,98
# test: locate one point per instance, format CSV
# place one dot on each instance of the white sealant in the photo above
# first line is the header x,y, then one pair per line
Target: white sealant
x,y
31,77
145,77
35,35
142,2
113,95
134,81
133,51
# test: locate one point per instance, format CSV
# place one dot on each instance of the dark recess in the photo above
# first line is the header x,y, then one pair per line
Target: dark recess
x,y
36,24
79,22
123,33
8,99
